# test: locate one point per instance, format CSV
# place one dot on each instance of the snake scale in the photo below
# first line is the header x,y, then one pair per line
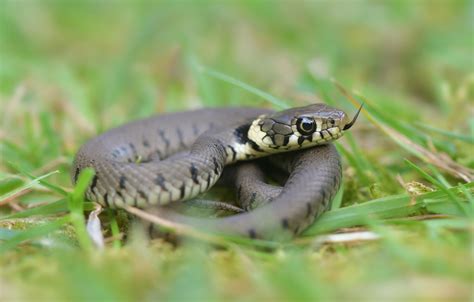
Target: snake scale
x,y
174,157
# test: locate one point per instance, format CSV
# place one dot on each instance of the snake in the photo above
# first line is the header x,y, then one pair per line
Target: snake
x,y
157,161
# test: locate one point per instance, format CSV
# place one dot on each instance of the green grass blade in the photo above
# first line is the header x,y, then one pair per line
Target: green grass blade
x,y
44,183
29,185
465,138
114,227
337,201
395,206
76,207
228,79
56,207
206,91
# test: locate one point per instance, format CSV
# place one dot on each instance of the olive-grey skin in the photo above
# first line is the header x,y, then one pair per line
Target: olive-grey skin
x,y
174,157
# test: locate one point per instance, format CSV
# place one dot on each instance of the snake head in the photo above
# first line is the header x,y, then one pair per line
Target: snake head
x,y
300,127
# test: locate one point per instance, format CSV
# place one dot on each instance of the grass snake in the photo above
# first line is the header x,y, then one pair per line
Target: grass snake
x,y
174,157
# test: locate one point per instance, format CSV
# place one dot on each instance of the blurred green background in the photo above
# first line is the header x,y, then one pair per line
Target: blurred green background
x,y
71,69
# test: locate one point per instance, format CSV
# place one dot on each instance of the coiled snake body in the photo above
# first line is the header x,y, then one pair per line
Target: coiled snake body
x,y
176,156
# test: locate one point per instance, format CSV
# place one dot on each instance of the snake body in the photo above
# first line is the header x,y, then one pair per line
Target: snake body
x,y
176,156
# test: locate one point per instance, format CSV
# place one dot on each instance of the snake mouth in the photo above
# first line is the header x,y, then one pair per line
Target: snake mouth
x,y
354,119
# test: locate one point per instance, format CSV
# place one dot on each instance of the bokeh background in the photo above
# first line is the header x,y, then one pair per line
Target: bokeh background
x,y
72,69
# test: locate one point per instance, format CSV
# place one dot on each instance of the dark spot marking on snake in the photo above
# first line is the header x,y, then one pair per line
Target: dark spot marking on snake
x,y
321,134
285,224
146,143
239,191
254,145
194,173
151,228
234,153
329,132
76,174
286,140
195,129
241,133
301,139
180,137
216,165
182,191
160,156
273,140
120,195
132,147
323,195
106,199
309,209
226,153
122,181
163,137
160,180
208,181
135,202
296,230
142,195
252,233
94,183
253,197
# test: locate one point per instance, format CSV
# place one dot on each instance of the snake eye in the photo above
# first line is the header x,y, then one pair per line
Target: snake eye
x,y
306,125
331,121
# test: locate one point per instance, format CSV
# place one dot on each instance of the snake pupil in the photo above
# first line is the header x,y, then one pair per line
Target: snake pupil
x,y
306,125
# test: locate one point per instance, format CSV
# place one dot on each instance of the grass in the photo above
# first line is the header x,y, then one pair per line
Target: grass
x,y
69,70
